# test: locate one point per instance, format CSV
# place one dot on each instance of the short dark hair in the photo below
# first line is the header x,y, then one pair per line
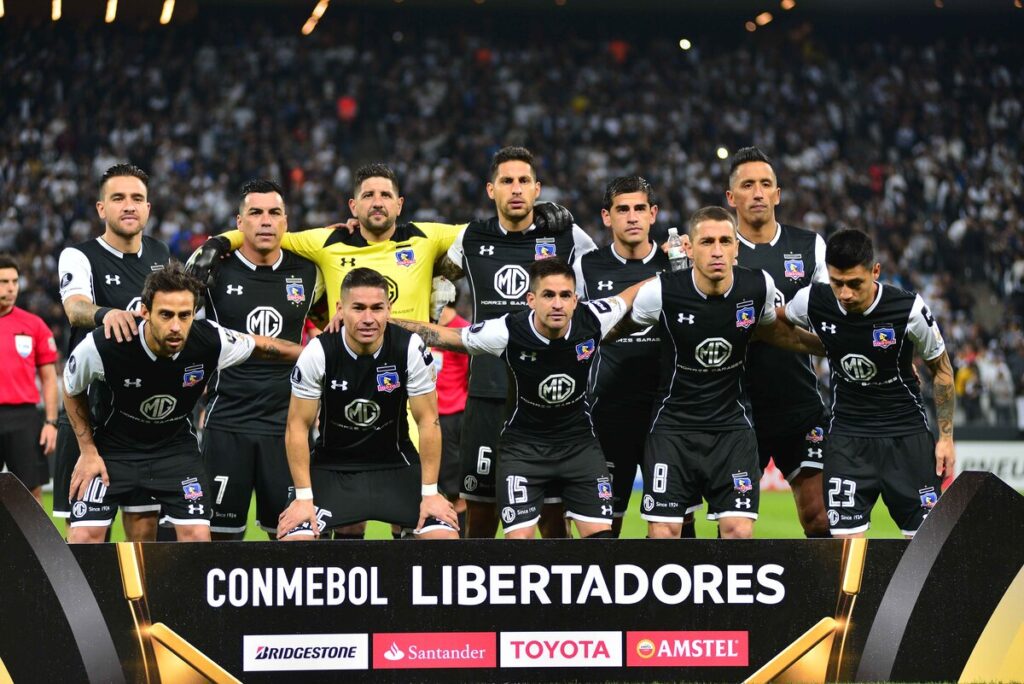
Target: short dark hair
x,y
171,278
364,277
549,267
745,155
126,169
709,214
849,248
512,153
375,170
257,185
7,261
624,184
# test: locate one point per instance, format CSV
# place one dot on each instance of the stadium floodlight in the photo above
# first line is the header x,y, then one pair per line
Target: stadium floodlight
x,y
787,4
1,9
55,10
166,12
318,12
763,19
111,11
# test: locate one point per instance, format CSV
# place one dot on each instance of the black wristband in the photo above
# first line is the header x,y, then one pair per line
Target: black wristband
x,y
97,317
50,421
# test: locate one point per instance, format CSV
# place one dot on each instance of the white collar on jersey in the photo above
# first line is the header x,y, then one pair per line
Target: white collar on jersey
x,y
693,279
145,345
748,243
646,259
536,333
116,252
505,231
252,267
351,353
867,311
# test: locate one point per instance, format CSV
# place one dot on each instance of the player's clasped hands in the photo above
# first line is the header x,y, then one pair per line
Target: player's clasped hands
x,y
437,506
298,512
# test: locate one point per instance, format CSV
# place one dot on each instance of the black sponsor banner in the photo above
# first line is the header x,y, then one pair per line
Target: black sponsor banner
x,y
624,610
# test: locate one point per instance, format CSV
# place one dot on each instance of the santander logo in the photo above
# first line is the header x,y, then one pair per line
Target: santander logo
x,y
403,650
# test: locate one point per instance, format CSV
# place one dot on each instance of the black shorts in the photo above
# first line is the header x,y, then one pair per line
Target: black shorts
x,y
451,463
391,496
238,462
528,471
64,458
801,450
19,444
901,469
176,481
681,468
622,438
481,426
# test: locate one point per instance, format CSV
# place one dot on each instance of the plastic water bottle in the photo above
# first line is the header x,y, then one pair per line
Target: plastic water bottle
x,y
676,256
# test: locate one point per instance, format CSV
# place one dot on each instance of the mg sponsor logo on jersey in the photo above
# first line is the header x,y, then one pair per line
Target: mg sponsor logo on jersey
x,y
405,257
511,281
193,376
883,337
434,650
561,649
858,367
387,379
793,266
713,352
285,652
584,350
295,290
135,306
686,649
392,289
362,412
158,406
745,314
264,320
556,388
544,249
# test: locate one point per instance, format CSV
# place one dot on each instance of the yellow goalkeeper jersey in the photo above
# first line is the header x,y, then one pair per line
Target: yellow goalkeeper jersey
x,y
406,260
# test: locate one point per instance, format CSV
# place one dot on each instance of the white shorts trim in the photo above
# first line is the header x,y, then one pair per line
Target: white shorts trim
x,y
694,509
587,518
93,523
805,465
731,514
663,518
432,528
552,500
521,525
853,530
908,533
300,533
62,514
227,530
147,508
183,521
477,497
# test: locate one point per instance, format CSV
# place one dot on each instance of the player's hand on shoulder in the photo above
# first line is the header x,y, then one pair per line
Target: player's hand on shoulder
x,y
552,217
334,325
120,324
205,261
298,512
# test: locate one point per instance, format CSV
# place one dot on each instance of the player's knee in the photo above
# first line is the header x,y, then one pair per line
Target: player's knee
x,y
662,530
522,533
736,528
192,533
87,535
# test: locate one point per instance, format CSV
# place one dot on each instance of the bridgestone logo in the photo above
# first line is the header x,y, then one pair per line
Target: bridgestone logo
x,y
511,281
158,407
555,389
283,652
264,320
267,653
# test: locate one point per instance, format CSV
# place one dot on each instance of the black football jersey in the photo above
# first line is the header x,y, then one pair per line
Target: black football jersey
x,y
549,401
363,398
624,379
152,396
272,301
782,384
704,348
496,264
874,390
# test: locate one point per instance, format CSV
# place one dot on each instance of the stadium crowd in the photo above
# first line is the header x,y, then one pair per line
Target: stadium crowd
x,y
918,144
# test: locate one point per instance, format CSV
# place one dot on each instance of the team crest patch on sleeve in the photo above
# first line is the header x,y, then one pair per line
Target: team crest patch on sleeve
x,y
604,489
745,316
928,497
295,290
883,337
66,279
405,257
741,483
192,489
816,435
544,249
387,379
793,266
193,376
476,327
584,350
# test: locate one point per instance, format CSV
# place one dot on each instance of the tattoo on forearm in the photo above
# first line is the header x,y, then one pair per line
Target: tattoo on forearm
x,y
81,312
81,425
448,268
270,350
944,405
437,422
431,336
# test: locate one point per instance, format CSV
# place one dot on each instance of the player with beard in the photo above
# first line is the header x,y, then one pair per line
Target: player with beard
x,y
495,255
100,285
789,417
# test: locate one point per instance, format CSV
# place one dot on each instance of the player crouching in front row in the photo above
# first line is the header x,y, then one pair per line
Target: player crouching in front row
x,y
365,466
